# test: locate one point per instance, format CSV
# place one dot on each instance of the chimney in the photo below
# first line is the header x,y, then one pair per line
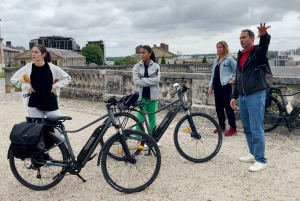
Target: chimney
x,y
167,47
8,43
163,46
137,49
31,44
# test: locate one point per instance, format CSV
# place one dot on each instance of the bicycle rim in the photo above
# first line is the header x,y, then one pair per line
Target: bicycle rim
x,y
193,148
125,176
36,176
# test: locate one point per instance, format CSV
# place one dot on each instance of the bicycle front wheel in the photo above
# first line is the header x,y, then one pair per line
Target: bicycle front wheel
x,y
199,146
131,176
36,176
129,122
273,115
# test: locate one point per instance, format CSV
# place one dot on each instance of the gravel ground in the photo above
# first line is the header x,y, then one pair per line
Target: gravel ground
x,y
222,178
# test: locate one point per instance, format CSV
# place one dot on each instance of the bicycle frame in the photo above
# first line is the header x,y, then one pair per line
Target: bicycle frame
x,y
92,143
169,121
283,104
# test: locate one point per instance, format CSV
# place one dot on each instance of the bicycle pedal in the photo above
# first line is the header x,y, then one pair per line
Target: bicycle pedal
x,y
93,156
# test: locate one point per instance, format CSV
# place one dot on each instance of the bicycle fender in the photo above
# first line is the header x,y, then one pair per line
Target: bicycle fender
x,y
105,145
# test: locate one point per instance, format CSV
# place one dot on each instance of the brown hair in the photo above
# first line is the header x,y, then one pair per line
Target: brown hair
x,y
250,33
43,50
225,46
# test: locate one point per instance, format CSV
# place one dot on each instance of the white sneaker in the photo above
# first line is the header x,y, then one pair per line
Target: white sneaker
x,y
145,147
247,159
257,166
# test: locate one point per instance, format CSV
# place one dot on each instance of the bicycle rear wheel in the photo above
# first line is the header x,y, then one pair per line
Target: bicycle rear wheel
x,y
190,145
129,122
36,176
126,176
273,115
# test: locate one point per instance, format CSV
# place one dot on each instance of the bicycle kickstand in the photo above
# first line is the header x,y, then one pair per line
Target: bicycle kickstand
x,y
78,175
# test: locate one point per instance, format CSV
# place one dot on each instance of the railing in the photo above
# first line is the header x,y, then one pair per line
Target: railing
x,y
99,83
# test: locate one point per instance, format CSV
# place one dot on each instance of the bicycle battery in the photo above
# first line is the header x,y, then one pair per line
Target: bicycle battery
x,y
84,151
295,112
160,128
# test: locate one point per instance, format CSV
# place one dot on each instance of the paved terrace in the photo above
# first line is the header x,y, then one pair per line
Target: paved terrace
x,y
222,178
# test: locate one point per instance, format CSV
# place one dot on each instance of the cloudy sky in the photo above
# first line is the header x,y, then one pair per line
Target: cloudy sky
x,y
189,26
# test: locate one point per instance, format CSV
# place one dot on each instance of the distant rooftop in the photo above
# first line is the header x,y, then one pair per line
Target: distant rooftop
x,y
8,49
64,53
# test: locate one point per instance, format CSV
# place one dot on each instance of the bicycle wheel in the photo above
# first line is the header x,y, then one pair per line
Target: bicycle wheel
x,y
129,122
126,176
190,146
36,176
273,115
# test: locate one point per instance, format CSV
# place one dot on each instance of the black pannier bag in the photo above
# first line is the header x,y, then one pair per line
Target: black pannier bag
x,y
27,140
128,100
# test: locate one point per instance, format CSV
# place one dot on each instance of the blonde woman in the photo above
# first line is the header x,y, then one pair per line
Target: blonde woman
x,y
222,77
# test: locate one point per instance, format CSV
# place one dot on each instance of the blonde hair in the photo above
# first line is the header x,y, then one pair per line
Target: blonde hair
x,y
225,46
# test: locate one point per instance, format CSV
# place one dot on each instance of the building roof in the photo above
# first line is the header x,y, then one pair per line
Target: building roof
x,y
64,53
7,49
162,49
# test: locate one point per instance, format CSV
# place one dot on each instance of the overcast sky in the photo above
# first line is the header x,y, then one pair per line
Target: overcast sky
x,y
189,26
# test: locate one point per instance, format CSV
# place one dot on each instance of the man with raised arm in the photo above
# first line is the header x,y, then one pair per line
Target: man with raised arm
x,y
250,88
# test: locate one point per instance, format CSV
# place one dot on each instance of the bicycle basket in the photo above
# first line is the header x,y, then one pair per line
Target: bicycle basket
x,y
128,100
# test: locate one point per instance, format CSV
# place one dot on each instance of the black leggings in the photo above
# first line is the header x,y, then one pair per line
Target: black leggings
x,y
222,101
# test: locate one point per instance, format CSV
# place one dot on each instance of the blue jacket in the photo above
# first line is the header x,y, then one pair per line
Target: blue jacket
x,y
227,71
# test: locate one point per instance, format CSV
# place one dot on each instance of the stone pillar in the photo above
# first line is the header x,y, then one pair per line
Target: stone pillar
x,y
296,98
164,90
2,63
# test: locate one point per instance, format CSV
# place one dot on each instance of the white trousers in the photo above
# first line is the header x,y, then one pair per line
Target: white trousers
x,y
34,112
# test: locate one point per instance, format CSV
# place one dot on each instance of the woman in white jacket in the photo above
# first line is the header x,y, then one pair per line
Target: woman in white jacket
x,y
41,82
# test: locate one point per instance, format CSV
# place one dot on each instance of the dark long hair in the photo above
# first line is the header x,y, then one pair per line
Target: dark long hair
x,y
148,48
43,50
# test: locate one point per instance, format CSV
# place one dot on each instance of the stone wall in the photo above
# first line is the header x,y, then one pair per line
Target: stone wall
x,y
101,82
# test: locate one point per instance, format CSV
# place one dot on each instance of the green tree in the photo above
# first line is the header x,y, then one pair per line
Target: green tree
x,y
183,62
204,60
175,62
126,61
163,61
93,54
271,56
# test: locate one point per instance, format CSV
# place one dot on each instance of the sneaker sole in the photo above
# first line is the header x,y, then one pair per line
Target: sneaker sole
x,y
249,161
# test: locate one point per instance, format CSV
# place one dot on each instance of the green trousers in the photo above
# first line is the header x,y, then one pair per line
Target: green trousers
x,y
151,107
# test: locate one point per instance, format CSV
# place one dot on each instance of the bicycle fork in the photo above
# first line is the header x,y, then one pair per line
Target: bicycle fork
x,y
194,133
128,155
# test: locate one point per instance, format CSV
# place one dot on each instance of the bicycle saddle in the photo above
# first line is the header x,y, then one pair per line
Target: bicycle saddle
x,y
139,103
57,118
278,87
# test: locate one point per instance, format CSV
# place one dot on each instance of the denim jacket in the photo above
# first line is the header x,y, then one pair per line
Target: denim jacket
x,y
227,71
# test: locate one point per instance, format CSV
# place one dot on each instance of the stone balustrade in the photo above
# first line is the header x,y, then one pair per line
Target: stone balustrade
x,y
101,82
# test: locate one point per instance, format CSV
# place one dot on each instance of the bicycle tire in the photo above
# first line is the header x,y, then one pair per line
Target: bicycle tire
x,y
31,168
125,176
105,136
189,146
273,115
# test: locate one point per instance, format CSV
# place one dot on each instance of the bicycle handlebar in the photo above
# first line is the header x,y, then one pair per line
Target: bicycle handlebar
x,y
183,89
112,101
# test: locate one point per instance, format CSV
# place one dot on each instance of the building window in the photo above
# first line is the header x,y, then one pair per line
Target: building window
x,y
54,62
23,62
